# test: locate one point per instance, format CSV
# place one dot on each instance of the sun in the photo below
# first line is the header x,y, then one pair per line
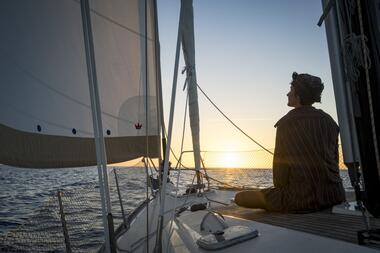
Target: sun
x,y
230,160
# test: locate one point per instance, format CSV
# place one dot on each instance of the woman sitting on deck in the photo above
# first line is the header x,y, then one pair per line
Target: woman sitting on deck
x,y
305,163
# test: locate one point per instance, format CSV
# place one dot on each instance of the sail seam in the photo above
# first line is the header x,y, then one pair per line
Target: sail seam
x,y
117,23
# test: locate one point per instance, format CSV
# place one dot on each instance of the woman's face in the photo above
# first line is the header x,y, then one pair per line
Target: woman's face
x,y
293,98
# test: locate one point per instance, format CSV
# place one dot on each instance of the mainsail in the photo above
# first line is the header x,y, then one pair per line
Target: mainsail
x,y
45,108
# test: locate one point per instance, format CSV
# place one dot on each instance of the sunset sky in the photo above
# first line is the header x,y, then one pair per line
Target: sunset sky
x,y
246,51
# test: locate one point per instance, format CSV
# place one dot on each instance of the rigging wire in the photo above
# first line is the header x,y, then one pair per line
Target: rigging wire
x,y
233,123
146,120
367,66
179,163
178,174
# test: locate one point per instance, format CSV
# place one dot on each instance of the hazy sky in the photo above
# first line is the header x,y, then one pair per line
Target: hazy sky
x,y
246,51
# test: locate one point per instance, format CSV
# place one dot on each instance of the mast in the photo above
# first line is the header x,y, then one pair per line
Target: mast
x,y
97,124
343,96
356,77
186,36
158,245
341,89
188,47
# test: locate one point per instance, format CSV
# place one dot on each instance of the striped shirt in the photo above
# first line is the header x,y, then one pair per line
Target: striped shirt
x,y
305,164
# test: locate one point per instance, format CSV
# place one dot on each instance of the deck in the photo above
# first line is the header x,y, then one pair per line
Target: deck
x,y
324,223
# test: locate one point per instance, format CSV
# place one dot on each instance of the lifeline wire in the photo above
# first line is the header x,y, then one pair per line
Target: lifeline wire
x,y
224,115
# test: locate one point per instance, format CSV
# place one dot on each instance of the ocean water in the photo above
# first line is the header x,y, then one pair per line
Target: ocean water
x,y
29,210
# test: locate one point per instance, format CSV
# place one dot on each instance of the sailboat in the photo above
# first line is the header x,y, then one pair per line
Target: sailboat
x,y
81,86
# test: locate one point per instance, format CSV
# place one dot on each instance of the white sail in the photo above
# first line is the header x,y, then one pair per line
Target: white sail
x,y
45,114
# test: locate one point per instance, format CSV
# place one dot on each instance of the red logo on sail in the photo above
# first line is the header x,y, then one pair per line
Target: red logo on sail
x,y
138,125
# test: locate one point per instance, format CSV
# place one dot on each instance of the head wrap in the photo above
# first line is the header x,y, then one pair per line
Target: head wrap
x,y
308,87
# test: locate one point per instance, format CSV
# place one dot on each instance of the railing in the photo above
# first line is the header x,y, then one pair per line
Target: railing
x,y
70,220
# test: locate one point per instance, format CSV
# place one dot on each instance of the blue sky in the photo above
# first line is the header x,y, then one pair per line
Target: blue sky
x,y
246,52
